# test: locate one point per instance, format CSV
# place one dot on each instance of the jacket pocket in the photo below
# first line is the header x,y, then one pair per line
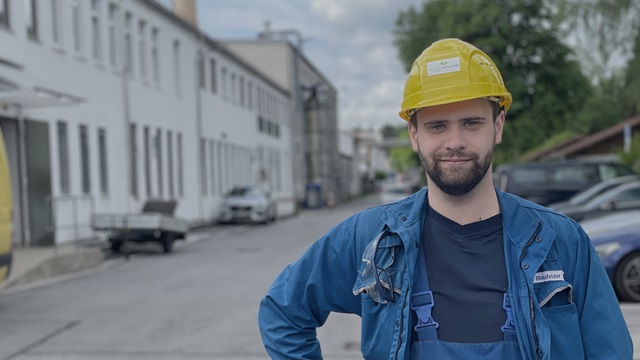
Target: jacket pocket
x,y
555,299
564,330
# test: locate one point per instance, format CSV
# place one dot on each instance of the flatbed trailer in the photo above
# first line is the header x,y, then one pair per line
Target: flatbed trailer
x,y
154,224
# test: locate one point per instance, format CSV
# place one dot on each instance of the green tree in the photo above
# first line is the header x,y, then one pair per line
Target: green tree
x,y
392,131
521,36
603,32
606,36
631,157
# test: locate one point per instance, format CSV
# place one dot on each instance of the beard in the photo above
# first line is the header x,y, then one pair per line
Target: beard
x,y
456,181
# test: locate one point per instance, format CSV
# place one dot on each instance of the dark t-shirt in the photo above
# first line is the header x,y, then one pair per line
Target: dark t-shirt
x,y
467,274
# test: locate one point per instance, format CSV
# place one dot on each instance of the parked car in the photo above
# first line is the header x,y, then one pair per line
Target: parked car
x,y
585,196
620,198
251,203
611,222
617,240
549,182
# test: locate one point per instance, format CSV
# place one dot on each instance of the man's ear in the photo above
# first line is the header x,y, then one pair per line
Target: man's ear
x,y
499,126
413,135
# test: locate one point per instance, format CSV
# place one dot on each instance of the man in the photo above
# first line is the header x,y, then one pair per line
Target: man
x,y
458,271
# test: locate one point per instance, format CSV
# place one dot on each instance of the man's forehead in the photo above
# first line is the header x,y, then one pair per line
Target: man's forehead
x,y
458,110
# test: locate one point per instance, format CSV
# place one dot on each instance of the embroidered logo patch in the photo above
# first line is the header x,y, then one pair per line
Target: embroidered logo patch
x,y
443,66
555,275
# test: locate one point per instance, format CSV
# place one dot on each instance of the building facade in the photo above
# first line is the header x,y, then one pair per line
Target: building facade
x,y
314,129
106,104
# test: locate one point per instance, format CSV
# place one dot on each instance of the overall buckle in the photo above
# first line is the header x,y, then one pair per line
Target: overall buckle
x,y
422,303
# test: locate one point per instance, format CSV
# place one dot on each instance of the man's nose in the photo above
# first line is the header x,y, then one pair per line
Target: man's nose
x,y
455,139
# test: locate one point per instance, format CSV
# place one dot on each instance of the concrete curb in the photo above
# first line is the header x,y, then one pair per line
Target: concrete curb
x,y
65,262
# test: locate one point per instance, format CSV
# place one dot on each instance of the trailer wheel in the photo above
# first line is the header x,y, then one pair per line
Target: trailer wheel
x,y
116,245
167,243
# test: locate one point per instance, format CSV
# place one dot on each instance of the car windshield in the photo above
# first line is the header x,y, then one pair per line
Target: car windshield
x,y
585,196
245,191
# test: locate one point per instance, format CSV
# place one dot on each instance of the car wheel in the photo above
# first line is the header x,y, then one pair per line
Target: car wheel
x,y
167,243
627,280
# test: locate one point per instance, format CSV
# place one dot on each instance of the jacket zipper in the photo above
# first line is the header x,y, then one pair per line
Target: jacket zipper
x,y
532,313
399,342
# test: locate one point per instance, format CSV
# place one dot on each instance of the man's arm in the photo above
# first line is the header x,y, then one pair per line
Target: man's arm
x,y
303,295
604,332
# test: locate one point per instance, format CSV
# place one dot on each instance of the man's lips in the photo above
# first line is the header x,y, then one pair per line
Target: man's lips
x,y
455,160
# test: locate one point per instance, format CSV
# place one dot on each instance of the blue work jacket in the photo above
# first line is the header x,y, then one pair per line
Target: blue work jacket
x,y
572,316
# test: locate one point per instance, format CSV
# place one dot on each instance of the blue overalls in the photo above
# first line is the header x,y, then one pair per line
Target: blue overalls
x,y
429,347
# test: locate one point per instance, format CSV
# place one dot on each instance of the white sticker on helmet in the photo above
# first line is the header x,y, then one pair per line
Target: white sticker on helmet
x,y
443,66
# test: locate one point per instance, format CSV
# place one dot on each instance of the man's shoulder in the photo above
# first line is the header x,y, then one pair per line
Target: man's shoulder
x,y
516,204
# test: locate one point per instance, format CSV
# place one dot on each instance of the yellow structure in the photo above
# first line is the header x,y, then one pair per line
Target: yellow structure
x,y
6,213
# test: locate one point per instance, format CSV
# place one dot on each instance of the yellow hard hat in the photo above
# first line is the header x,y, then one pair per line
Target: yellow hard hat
x,y
448,71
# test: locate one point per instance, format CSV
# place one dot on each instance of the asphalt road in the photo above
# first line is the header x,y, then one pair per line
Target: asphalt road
x,y
199,302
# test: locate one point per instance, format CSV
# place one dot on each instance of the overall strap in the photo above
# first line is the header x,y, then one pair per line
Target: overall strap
x,y
422,302
509,328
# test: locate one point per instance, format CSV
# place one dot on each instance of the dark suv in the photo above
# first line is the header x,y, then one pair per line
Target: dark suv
x,y
549,182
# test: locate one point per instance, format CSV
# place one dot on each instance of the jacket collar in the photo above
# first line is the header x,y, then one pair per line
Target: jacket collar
x,y
518,220
407,212
407,216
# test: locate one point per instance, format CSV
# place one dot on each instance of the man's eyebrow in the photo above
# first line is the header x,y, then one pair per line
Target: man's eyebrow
x,y
441,121
472,118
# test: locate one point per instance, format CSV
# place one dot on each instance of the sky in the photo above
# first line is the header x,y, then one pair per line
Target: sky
x,y
349,41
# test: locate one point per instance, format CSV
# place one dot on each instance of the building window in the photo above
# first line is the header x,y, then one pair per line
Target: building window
x,y
219,171
113,42
203,166
250,95
134,159
84,160
142,48
261,124
76,17
4,13
201,73
212,167
259,102
104,166
158,147
180,168
242,91
96,43
170,162
30,16
176,66
155,57
233,95
224,83
147,161
128,43
214,84
56,22
63,157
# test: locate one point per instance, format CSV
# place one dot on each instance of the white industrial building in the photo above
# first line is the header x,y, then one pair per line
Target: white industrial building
x,y
316,156
105,104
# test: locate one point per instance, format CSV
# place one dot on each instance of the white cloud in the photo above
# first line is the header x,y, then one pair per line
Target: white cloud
x,y
332,10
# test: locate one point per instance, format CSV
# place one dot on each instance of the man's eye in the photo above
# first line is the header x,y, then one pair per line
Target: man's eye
x,y
436,127
471,123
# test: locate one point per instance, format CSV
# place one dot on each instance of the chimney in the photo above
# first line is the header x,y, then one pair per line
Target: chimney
x,y
186,10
